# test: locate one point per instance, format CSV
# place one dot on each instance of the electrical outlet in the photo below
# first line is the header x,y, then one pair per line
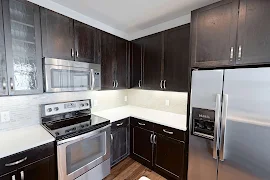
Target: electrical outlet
x,y
126,99
5,117
95,102
167,102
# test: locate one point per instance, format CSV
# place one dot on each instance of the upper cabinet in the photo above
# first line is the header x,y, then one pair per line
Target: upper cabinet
x,y
57,35
161,61
23,47
229,33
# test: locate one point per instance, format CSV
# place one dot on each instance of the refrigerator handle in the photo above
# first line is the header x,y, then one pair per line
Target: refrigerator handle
x,y
217,122
223,126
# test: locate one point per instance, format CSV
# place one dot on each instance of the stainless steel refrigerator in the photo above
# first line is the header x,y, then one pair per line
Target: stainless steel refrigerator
x,y
229,128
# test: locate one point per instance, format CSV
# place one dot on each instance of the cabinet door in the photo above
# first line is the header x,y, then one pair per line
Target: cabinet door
x,y
136,64
57,35
152,61
108,64
121,63
141,145
84,42
169,156
3,63
176,58
23,47
120,144
253,32
213,33
41,170
97,52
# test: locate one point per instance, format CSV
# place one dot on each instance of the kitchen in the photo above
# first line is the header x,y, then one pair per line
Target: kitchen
x,y
180,98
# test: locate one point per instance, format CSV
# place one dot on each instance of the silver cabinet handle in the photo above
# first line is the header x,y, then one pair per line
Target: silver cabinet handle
x,y
120,124
223,126
151,139
72,52
239,53
142,124
111,137
17,162
13,177
164,84
113,84
161,84
4,83
155,139
168,132
116,83
11,84
231,54
77,53
217,122
140,81
22,175
93,79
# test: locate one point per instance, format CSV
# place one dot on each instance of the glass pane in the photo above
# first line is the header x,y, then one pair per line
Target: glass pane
x,y
60,78
83,152
80,79
23,46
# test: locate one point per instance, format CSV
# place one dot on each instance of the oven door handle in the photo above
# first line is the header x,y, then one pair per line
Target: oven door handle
x,y
83,136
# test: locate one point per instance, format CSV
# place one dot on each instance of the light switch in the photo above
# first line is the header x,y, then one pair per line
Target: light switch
x,y
5,117
167,102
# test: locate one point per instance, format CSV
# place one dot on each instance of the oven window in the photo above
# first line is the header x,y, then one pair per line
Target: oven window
x,y
84,152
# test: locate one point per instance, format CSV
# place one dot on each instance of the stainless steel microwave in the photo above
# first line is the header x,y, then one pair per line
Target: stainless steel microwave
x,y
62,75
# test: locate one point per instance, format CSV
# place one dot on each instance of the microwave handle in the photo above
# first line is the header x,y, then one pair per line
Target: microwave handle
x,y
93,79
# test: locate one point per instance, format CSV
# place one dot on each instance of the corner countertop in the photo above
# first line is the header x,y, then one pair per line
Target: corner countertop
x,y
18,140
177,121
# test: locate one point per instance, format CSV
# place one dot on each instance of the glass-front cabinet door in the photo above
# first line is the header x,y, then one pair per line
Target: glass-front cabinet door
x,y
3,65
23,44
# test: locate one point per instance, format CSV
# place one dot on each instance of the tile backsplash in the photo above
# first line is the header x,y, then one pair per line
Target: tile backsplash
x,y
176,101
25,110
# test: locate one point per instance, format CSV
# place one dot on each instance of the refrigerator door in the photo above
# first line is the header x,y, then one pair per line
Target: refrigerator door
x,y
205,100
245,129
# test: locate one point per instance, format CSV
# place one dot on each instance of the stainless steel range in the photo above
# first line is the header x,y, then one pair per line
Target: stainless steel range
x,y
83,140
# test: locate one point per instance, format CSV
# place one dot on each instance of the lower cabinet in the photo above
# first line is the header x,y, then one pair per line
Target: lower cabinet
x,y
120,141
159,148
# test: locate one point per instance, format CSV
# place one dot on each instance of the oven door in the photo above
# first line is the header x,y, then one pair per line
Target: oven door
x,y
80,154
64,78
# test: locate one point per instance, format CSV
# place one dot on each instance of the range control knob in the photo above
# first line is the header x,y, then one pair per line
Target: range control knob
x,y
49,109
56,108
82,126
86,104
82,105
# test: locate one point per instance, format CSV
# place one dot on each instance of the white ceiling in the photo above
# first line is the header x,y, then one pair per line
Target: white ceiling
x,y
132,16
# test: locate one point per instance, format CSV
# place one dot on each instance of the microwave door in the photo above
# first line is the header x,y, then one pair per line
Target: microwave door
x,y
81,80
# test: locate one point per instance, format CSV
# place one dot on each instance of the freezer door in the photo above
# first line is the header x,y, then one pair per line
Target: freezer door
x,y
245,129
205,97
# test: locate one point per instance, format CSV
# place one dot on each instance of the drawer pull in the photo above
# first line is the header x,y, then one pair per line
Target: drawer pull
x,y
168,132
120,124
17,162
142,124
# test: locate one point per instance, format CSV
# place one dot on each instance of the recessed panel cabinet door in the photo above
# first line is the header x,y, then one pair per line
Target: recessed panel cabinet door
x,y
57,35
84,42
213,33
136,64
176,61
152,61
3,63
121,63
253,32
23,47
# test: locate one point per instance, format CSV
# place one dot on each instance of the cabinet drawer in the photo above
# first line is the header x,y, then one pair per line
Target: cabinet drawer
x,y
142,124
26,157
170,132
120,123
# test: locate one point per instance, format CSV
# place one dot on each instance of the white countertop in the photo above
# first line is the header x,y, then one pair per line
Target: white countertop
x,y
177,121
18,140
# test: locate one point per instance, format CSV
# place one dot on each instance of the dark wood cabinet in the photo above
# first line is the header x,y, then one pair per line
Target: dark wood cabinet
x,y
253,42
57,35
120,141
213,34
176,58
10,176
23,47
153,61
141,145
136,72
97,46
169,156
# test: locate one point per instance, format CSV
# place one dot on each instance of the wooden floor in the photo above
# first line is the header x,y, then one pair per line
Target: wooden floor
x,y
129,169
